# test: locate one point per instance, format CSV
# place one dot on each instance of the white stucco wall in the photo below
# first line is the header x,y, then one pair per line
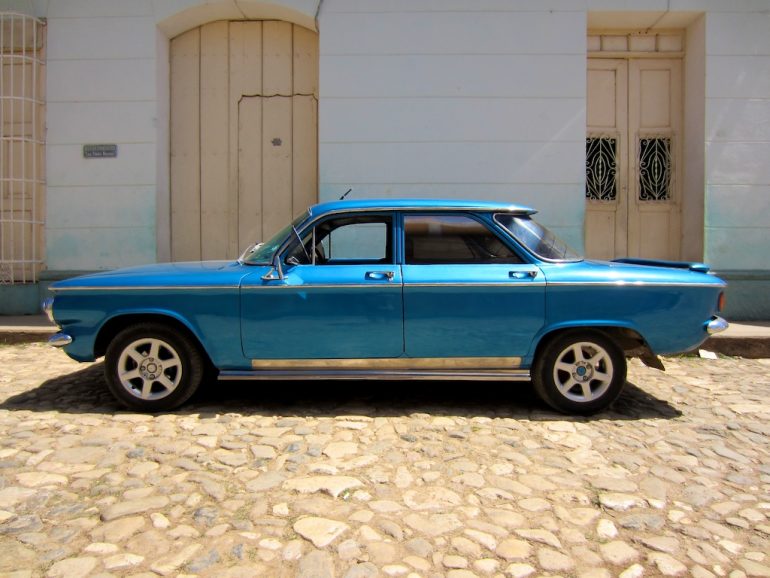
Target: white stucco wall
x,y
107,82
101,89
432,98
738,137
453,98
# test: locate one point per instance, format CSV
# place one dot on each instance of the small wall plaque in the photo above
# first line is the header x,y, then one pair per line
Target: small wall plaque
x,y
100,151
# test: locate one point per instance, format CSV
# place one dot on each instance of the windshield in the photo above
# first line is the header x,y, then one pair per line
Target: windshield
x,y
263,253
537,239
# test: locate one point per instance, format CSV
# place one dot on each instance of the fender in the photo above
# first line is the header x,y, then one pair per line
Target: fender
x,y
586,324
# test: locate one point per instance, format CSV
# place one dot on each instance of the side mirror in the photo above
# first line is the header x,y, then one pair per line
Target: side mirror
x,y
275,273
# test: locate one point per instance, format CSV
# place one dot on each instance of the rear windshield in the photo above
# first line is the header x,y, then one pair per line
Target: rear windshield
x,y
537,239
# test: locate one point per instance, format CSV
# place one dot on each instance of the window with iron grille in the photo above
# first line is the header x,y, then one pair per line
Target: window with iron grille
x,y
22,147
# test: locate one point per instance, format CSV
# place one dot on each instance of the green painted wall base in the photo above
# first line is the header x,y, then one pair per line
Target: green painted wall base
x,y
748,295
25,298
20,299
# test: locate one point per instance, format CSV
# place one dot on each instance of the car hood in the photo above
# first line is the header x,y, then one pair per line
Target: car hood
x,y
632,272
190,274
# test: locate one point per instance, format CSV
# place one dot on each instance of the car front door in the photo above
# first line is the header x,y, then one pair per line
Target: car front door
x,y
467,292
340,297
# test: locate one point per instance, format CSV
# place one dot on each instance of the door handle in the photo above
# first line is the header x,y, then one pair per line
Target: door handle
x,y
531,274
379,275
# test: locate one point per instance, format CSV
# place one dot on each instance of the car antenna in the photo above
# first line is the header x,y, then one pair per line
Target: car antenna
x,y
345,195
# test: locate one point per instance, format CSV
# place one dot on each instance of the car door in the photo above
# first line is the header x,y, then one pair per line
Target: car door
x,y
340,296
467,292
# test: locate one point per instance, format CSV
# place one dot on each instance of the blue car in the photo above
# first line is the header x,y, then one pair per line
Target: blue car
x,y
389,289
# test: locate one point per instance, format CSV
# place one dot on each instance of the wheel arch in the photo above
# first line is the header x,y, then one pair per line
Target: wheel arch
x,y
627,337
122,320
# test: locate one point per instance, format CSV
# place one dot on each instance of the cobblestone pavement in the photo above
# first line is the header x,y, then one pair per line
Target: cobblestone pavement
x,y
384,479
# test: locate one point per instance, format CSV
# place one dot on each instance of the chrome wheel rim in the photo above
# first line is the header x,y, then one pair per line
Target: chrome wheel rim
x,y
149,369
583,372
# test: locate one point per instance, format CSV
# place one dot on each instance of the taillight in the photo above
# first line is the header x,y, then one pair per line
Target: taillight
x,y
721,302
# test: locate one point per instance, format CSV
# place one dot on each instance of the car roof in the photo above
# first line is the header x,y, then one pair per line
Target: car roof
x,y
417,205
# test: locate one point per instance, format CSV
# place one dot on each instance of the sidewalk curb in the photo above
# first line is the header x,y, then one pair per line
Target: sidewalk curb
x,y
25,336
748,347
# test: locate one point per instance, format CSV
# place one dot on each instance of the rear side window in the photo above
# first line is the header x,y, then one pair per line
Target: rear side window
x,y
452,239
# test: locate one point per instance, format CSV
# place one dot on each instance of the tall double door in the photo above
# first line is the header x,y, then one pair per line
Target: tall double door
x,y
244,134
633,158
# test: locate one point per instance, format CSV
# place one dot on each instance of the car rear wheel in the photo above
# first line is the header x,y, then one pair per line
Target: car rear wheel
x,y
150,367
580,372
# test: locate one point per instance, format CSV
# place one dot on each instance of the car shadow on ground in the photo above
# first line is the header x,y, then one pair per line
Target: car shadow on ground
x,y
85,391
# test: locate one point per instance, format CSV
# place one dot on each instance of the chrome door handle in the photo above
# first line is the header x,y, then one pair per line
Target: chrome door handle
x,y
531,274
379,275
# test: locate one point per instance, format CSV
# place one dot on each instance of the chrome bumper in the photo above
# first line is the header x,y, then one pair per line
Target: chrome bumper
x,y
59,340
716,325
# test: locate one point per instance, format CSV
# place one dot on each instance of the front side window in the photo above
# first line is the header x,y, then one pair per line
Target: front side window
x,y
359,239
452,239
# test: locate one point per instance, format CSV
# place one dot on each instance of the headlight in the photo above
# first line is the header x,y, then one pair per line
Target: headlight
x,y
47,307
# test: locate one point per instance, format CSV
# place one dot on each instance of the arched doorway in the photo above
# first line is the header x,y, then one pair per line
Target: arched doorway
x,y
243,134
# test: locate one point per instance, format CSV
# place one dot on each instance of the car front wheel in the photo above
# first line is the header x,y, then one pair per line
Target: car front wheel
x,y
580,372
150,367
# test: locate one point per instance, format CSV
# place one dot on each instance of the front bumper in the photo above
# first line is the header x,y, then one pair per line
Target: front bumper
x,y
716,325
59,340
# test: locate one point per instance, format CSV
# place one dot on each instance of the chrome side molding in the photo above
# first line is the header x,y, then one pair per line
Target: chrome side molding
x,y
408,364
460,375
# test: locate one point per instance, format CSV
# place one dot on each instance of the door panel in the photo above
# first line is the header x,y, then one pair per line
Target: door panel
x,y
324,312
215,217
277,206
467,293
606,154
654,119
479,310
185,147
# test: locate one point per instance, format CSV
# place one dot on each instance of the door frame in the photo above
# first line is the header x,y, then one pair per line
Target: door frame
x,y
628,210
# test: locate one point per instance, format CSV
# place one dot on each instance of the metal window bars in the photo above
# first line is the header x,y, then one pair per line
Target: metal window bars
x,y
655,167
602,167
22,147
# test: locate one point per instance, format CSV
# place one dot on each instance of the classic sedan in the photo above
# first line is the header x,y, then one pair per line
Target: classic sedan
x,y
391,289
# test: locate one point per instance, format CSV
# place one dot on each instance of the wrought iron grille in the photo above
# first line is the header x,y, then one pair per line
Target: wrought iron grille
x,y
601,168
22,147
654,168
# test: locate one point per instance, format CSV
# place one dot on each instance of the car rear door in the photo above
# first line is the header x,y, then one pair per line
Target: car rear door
x,y
467,292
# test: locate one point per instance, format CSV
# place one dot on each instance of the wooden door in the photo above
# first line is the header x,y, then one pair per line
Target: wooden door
x,y
243,134
655,124
606,221
633,148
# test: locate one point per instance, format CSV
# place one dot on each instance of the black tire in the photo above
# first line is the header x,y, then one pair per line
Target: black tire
x,y
151,367
579,372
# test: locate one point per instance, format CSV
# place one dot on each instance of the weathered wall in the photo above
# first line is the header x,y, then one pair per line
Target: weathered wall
x,y
108,83
738,139
481,99
101,89
452,98
737,203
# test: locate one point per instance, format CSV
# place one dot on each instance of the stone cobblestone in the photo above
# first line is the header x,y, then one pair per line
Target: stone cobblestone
x,y
364,479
